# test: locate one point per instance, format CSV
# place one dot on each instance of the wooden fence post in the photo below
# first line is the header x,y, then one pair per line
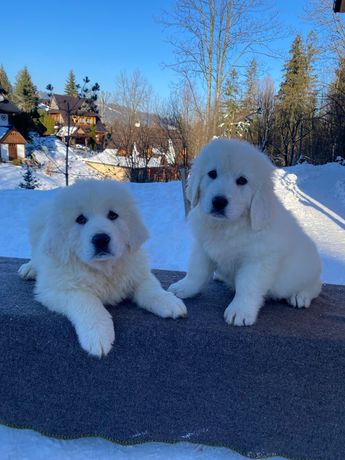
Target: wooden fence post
x,y
183,175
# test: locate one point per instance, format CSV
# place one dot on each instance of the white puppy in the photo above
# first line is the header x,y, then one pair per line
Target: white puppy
x,y
86,253
243,231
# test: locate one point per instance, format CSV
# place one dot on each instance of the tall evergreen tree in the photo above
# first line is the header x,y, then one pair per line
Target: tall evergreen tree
x,y
296,100
249,99
336,111
249,103
71,88
293,88
5,83
25,92
231,105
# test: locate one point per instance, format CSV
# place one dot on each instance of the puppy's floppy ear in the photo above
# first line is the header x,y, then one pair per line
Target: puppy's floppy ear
x,y
261,209
138,233
55,242
193,187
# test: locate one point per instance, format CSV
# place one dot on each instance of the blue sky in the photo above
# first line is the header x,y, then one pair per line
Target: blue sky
x,y
100,39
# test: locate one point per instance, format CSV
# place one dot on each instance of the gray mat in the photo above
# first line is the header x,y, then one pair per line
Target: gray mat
x,y
275,388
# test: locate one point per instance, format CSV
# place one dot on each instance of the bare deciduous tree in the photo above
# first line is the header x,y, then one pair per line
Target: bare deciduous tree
x,y
104,99
210,38
265,118
329,25
133,132
179,121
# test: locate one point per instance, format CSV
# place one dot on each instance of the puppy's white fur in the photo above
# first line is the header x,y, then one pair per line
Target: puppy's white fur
x,y
256,246
75,279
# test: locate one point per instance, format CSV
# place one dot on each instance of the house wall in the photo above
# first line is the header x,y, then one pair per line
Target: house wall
x,y
53,104
4,152
13,137
83,120
57,117
3,119
20,151
111,171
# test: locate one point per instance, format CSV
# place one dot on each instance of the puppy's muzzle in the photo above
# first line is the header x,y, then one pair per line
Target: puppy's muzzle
x,y
101,242
219,203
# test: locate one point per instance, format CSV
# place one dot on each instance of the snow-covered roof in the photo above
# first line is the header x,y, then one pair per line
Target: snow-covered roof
x,y
43,106
64,131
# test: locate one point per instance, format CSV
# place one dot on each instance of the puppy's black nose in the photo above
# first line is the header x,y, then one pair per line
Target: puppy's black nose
x,y
219,202
101,241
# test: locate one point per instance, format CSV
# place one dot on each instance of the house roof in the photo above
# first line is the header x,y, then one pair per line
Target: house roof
x,y
73,103
7,106
11,136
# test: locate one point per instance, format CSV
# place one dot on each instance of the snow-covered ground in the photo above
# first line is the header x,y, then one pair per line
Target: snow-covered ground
x,y
315,195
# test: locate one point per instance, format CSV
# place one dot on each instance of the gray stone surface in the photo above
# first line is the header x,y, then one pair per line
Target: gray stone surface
x,y
277,387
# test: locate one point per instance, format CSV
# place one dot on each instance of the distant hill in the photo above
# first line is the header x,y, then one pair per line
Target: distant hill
x,y
112,112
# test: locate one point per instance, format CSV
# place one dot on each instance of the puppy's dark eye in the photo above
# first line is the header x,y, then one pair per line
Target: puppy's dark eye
x,y
112,215
81,219
212,174
241,181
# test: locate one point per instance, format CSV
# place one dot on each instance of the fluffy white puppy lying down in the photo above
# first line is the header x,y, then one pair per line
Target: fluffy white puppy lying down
x,y
243,232
86,252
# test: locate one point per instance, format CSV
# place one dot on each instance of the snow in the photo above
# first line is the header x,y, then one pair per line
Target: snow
x,y
28,445
314,194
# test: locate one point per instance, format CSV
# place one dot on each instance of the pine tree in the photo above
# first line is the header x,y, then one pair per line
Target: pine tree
x,y
336,111
5,83
296,101
249,100
25,93
293,85
231,106
48,123
92,141
30,182
71,88
249,103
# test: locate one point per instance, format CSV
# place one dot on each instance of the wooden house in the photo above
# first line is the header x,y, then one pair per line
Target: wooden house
x,y
12,143
84,122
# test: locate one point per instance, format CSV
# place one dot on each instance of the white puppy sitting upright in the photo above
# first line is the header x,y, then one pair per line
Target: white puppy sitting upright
x,y
243,232
86,252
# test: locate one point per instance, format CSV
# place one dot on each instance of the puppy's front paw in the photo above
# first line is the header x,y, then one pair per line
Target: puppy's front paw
x,y
300,300
236,315
169,306
184,289
97,338
27,272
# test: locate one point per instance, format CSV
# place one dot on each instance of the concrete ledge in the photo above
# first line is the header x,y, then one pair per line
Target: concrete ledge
x,y
275,388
